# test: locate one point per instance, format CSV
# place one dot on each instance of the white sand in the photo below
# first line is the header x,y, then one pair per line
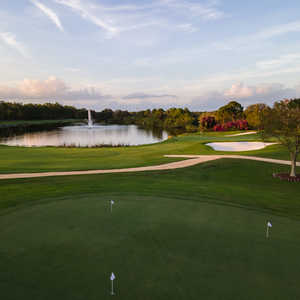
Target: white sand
x,y
238,146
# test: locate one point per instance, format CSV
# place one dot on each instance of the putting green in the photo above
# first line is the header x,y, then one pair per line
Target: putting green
x,y
158,249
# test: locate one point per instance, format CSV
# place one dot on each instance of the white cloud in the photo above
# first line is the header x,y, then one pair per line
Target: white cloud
x,y
190,28
273,91
86,13
206,12
34,88
284,60
54,89
239,91
73,70
51,88
278,30
147,96
252,40
38,88
246,95
115,19
49,13
10,39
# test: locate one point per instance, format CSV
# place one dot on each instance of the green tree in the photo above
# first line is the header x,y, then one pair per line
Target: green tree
x,y
283,122
179,118
253,114
232,111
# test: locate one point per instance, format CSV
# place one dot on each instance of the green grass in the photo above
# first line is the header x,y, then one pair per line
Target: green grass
x,y
193,233
20,159
34,122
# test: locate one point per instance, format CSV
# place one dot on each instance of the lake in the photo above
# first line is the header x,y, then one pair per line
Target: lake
x,y
83,136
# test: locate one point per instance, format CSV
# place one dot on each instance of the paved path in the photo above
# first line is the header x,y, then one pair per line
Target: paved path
x,y
270,160
244,133
191,161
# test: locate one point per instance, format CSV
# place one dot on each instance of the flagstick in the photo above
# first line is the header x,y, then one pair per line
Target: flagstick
x,y
112,202
267,234
112,278
112,288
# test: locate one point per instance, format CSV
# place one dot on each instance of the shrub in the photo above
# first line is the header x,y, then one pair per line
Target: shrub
x,y
208,122
236,125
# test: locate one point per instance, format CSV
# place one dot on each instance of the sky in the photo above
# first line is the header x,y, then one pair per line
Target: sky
x,y
140,54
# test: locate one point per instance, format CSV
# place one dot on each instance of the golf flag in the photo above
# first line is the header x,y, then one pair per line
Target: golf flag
x,y
112,277
269,225
112,202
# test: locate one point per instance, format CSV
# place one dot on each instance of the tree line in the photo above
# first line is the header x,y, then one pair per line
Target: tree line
x,y
231,116
173,118
48,111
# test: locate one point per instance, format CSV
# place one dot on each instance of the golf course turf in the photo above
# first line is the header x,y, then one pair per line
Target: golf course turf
x,y
193,233
43,159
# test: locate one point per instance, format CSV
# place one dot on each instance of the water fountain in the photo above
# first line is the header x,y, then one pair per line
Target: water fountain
x,y
90,121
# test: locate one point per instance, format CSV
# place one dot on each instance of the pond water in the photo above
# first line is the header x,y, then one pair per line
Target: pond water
x,y
83,136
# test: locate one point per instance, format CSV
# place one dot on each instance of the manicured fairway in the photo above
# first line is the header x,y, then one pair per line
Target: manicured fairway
x,y
195,233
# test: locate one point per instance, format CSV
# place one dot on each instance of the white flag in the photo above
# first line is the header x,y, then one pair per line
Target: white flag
x,y
269,224
112,202
112,277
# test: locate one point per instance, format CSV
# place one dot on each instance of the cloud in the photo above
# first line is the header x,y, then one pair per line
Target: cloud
x,y
49,13
239,91
55,89
73,70
85,13
190,28
147,96
51,88
263,93
244,94
284,60
253,39
206,12
10,39
278,30
194,54
115,19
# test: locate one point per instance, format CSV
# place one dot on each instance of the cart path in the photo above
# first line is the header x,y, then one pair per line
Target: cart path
x,y
191,160
244,133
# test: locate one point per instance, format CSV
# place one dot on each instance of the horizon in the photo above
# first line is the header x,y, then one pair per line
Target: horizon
x,y
138,55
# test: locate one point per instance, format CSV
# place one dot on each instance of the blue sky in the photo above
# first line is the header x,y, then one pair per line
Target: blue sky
x,y
143,54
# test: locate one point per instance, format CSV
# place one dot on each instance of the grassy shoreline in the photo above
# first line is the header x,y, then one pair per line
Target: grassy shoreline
x,y
24,123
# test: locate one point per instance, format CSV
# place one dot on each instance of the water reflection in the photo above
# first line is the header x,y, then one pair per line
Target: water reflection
x,y
82,136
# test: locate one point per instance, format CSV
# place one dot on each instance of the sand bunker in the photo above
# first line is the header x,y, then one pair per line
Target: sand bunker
x,y
238,146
